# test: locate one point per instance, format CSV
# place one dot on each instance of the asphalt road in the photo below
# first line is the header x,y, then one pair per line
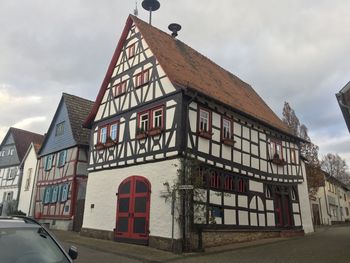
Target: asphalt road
x,y
330,245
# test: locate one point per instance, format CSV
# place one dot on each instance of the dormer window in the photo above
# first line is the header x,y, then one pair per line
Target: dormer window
x,y
131,50
142,78
120,89
59,129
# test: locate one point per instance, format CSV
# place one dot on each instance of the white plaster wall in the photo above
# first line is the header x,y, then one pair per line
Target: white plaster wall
x,y
305,205
102,188
26,197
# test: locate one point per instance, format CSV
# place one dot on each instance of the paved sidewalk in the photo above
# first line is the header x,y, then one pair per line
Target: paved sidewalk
x,y
145,253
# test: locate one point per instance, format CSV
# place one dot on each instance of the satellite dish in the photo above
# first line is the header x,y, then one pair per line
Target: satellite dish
x,y
174,28
150,5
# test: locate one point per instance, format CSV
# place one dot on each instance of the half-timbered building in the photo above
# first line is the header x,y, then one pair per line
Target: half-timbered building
x,y
61,173
160,102
12,152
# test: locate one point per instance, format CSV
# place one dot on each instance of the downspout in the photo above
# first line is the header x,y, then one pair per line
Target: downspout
x,y
319,202
183,179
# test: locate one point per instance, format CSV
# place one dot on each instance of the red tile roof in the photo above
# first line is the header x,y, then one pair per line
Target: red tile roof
x,y
189,69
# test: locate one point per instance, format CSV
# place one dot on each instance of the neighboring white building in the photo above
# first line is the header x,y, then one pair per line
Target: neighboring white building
x,y
331,205
28,187
12,151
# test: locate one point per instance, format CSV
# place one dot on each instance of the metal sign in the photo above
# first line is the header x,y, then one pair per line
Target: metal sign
x,y
186,187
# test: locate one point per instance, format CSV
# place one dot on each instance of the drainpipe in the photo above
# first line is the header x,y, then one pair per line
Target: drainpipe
x,y
21,166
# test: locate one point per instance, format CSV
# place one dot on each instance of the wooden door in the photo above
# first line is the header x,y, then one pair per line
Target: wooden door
x,y
133,210
282,210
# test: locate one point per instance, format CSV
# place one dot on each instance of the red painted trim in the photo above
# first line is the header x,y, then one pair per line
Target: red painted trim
x,y
131,51
132,214
87,123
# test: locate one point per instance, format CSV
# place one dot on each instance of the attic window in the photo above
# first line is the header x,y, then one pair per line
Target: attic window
x,y
59,129
142,78
11,151
131,50
120,88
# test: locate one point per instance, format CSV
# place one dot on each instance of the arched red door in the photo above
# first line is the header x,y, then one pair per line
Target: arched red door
x,y
133,207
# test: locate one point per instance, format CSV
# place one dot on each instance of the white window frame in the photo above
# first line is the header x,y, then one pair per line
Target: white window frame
x,y
59,129
157,120
144,124
226,128
113,131
204,125
103,134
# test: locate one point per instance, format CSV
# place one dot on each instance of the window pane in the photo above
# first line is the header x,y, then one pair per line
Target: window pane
x,y
140,204
140,225
123,224
113,131
141,187
124,205
125,188
103,134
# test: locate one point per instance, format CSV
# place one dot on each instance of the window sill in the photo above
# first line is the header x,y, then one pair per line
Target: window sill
x,y
141,85
228,142
154,131
205,134
141,135
278,161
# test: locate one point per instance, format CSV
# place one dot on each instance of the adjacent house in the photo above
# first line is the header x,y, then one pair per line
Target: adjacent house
x,y
331,204
29,163
162,107
61,171
343,97
12,152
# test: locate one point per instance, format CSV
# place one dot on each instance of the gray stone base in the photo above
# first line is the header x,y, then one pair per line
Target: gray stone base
x,y
66,225
166,244
212,238
95,233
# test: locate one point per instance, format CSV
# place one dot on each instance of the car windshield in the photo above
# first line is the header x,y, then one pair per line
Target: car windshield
x,y
30,245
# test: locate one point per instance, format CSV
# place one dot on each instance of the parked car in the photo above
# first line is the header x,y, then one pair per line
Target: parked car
x,y
24,240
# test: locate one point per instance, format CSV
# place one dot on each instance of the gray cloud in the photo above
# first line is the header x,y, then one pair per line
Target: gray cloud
x,y
295,51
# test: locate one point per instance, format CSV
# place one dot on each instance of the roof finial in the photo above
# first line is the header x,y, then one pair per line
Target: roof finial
x,y
150,5
136,11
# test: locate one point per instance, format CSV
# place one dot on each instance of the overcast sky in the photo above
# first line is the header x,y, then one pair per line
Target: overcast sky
x,y
296,51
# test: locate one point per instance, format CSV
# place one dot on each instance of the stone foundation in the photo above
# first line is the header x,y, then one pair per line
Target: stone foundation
x,y
210,238
95,233
165,244
66,225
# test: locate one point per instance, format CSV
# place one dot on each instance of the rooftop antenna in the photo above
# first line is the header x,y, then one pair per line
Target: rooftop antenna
x,y
136,11
174,28
150,5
